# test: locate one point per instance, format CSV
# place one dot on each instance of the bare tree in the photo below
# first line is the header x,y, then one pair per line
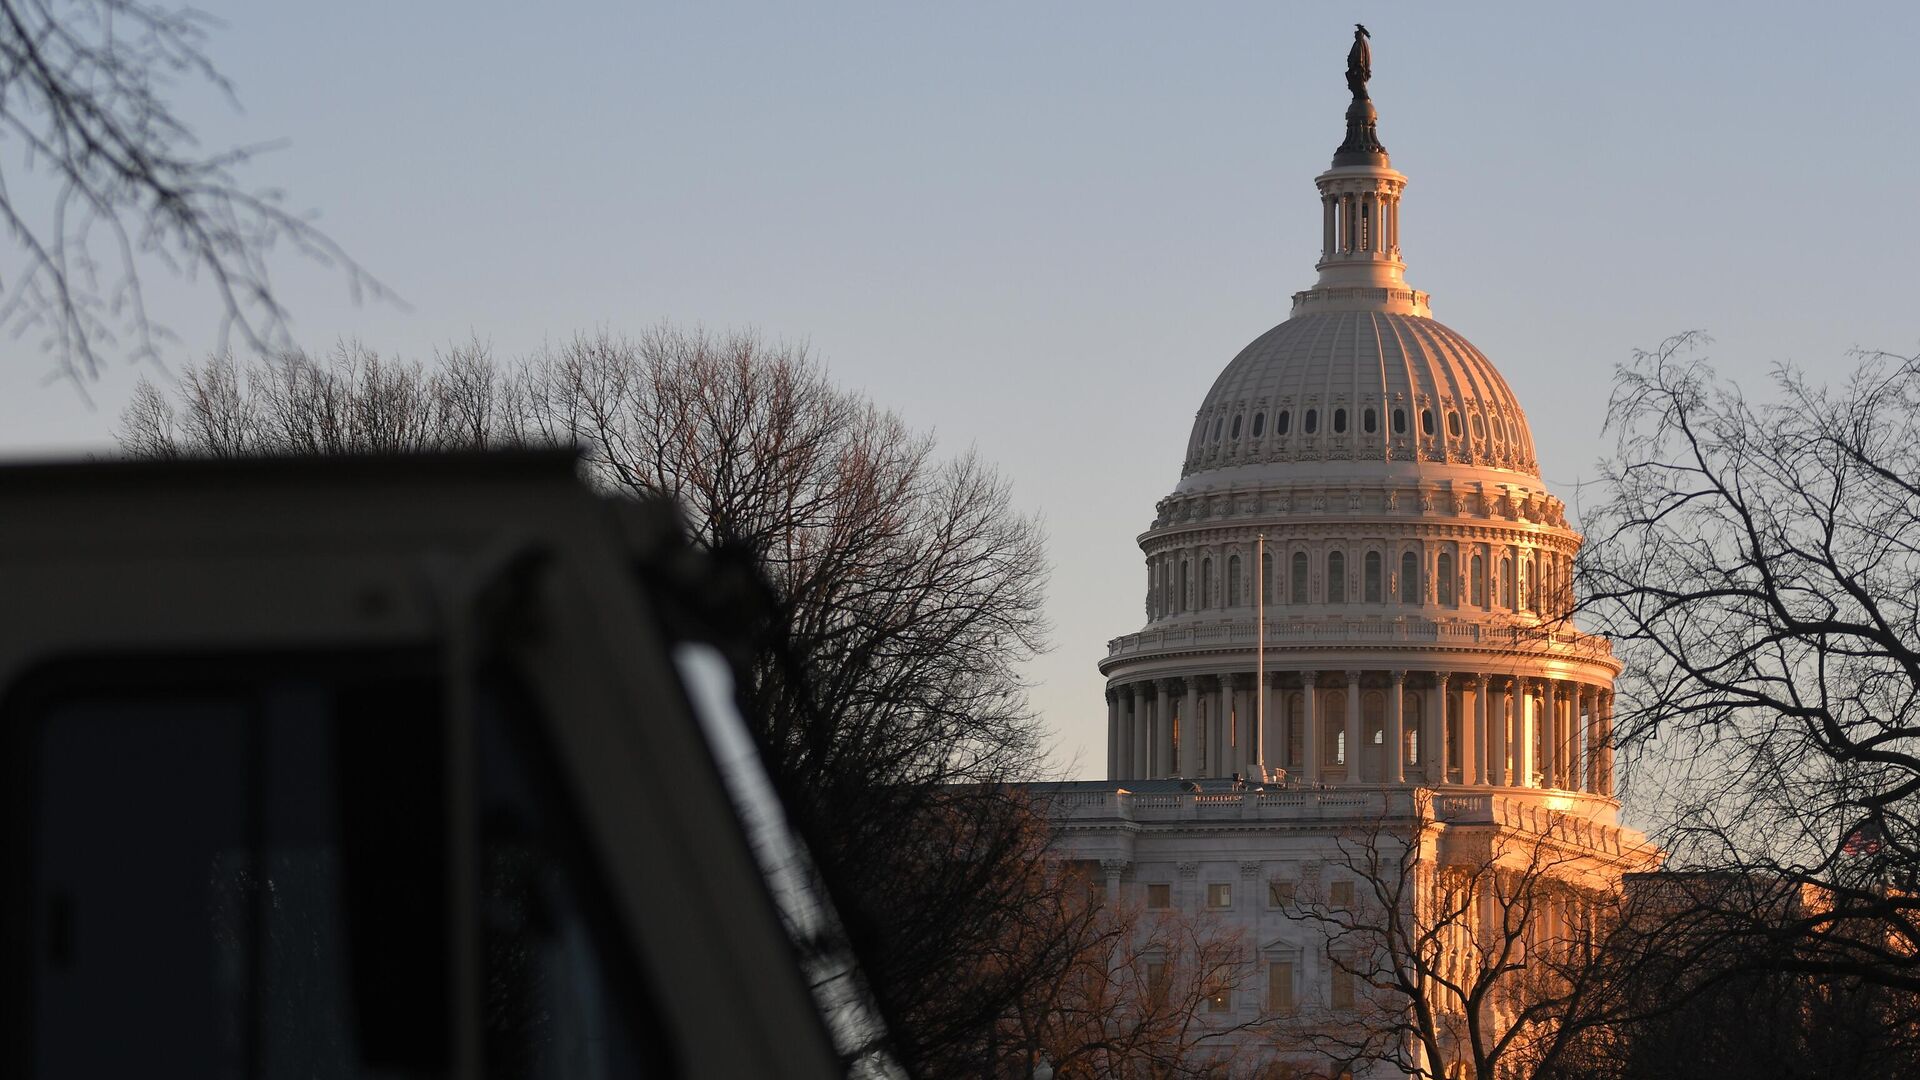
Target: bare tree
x,y
1698,989
1138,993
1757,565
1467,947
903,594
83,97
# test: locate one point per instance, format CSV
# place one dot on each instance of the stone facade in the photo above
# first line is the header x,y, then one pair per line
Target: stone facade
x,y
1356,602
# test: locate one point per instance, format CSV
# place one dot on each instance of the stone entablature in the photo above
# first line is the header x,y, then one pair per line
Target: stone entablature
x,y
1486,499
1586,821
1509,639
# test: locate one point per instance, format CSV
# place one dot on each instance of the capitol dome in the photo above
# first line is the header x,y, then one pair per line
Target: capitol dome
x,y
1359,577
1356,386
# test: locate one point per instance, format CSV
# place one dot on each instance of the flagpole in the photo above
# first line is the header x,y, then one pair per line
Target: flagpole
x,y
1260,650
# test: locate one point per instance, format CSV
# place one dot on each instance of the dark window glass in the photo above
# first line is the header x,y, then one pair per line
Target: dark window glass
x,y
1281,425
1369,422
1312,422
1453,424
1235,433
1259,424
242,872
1399,421
1339,421
1426,421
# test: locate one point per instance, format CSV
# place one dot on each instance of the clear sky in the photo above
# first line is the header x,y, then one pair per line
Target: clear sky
x,y
1041,229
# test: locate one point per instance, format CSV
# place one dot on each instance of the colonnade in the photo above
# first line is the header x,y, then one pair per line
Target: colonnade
x,y
1359,222
1399,726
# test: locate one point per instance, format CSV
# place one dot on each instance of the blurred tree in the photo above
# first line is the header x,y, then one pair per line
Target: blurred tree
x,y
904,593
83,100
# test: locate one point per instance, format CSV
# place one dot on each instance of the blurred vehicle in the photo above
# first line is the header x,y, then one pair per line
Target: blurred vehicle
x,y
374,768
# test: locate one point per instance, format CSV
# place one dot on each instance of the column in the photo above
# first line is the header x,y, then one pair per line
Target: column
x,y
1113,734
1140,733
1473,745
1549,737
1217,702
1310,716
1593,739
1434,740
1113,869
1354,756
1498,707
1166,754
1396,729
1606,744
1189,755
1139,738
1524,773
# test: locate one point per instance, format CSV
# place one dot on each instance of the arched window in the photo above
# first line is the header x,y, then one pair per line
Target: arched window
x,y
1206,582
1506,582
1284,422
1233,581
1336,578
1339,421
1477,581
1426,424
1369,421
1259,423
1312,422
1153,594
1372,564
1533,584
1409,578
1186,585
1234,433
1443,579
1399,421
1266,575
1297,586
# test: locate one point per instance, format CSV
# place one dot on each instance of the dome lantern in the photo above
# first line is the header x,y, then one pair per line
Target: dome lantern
x,y
1360,265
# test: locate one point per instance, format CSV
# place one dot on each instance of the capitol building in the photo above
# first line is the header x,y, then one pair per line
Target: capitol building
x,y
1356,603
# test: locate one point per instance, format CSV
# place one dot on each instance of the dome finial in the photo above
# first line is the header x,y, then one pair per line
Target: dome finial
x,y
1362,145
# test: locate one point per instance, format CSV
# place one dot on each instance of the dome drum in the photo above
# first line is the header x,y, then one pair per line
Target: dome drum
x,y
1360,576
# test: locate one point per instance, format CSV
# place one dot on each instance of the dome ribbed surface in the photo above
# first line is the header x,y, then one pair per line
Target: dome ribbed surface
x,y
1360,386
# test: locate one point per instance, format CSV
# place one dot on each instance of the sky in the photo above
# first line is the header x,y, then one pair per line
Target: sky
x,y
1041,230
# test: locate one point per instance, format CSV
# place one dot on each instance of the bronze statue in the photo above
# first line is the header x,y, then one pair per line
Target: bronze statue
x,y
1359,62
1362,145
